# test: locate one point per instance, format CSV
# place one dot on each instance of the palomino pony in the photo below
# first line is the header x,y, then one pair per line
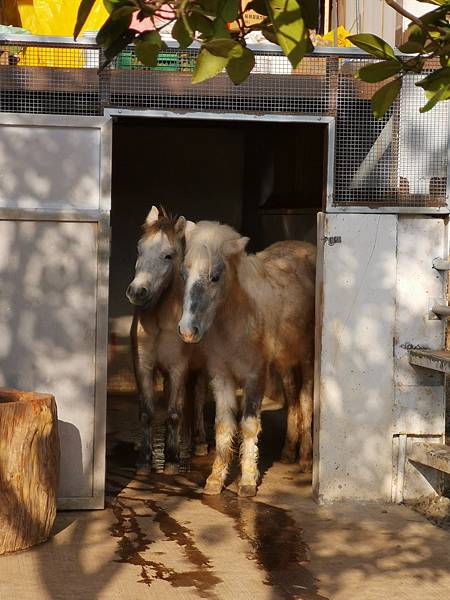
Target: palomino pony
x,y
251,311
156,292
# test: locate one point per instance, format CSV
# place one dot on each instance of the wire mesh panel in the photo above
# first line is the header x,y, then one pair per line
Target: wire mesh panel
x,y
397,161
272,87
47,79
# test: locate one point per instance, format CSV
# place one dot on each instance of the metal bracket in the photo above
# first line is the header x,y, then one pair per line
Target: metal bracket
x,y
441,265
437,309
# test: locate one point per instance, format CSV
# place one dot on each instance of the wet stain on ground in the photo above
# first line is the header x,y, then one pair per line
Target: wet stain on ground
x,y
274,539
133,544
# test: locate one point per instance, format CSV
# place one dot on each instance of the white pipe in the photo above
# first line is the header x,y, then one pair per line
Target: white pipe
x,y
374,156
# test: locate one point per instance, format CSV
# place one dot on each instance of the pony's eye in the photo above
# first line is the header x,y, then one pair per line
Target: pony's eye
x,y
215,278
168,257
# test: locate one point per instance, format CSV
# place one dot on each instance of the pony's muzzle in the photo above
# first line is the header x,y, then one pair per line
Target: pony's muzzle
x,y
137,294
189,335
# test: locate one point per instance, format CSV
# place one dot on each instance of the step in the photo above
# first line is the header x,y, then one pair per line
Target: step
x,y
437,360
436,456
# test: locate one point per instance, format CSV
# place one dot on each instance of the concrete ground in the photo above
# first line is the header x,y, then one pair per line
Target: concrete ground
x,y
159,538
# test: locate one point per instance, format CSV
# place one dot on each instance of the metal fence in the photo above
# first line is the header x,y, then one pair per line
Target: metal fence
x,y
400,160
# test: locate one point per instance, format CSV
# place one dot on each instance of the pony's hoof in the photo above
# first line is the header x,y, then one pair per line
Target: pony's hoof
x,y
201,450
247,491
171,469
212,488
305,466
288,457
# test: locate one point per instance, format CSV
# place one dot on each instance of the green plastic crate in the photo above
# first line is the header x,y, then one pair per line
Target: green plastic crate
x,y
167,61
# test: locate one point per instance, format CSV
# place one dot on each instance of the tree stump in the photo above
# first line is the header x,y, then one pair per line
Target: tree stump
x,y
29,468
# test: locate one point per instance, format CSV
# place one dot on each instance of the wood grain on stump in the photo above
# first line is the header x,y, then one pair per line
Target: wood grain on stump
x,y
29,466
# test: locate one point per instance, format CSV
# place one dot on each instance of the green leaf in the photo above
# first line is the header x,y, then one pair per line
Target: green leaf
x,y
438,2
200,23
416,34
229,9
441,94
269,34
112,29
122,11
109,5
411,47
310,13
259,6
385,97
435,17
84,10
208,6
148,46
208,65
181,34
414,64
435,80
373,45
379,71
146,10
239,68
289,26
116,46
220,28
225,47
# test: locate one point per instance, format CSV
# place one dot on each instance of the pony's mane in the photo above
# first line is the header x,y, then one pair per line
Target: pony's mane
x,y
166,223
209,236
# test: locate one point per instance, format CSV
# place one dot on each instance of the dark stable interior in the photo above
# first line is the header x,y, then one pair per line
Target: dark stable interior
x,y
266,179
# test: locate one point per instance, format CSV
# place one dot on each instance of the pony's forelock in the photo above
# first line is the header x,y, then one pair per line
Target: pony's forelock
x,y
207,240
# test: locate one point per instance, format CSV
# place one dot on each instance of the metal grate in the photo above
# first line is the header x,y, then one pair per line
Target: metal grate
x,y
400,160
272,87
47,79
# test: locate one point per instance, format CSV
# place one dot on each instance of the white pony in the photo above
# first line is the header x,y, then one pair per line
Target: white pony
x,y
249,312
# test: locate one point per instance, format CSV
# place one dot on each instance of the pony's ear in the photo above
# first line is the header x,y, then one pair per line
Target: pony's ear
x,y
152,216
231,247
180,226
189,229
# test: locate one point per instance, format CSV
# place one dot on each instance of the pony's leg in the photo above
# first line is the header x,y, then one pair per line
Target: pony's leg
x,y
250,428
144,372
291,393
226,407
177,396
306,413
201,447
144,377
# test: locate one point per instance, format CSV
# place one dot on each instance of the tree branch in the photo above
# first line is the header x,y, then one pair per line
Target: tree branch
x,y
402,11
